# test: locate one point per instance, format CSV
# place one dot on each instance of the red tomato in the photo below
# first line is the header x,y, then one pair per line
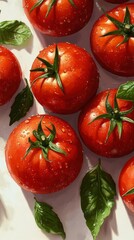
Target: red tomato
x,y
78,75
126,183
110,53
96,134
42,169
63,19
10,75
116,1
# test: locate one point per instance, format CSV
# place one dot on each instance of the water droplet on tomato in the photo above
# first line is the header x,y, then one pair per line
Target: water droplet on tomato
x,y
24,133
99,142
92,116
63,130
103,125
40,156
69,149
51,50
27,121
66,165
114,151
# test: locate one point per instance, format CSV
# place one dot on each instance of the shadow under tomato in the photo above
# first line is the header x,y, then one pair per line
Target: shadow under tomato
x,y
46,40
72,119
3,213
130,215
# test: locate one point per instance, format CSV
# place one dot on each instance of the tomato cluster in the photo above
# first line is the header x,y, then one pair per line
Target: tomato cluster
x,y
47,154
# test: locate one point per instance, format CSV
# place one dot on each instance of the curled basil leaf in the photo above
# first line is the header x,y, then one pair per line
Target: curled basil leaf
x,y
126,91
14,32
47,220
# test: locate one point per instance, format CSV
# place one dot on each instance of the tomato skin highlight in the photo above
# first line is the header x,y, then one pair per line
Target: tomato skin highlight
x,y
126,182
10,75
94,135
116,59
63,19
34,173
79,76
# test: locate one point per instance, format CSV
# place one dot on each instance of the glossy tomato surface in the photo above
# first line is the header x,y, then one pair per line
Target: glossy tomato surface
x,y
126,183
78,74
10,75
33,171
118,59
63,19
94,135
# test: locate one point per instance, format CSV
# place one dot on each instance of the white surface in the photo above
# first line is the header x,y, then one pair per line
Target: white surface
x,y
16,206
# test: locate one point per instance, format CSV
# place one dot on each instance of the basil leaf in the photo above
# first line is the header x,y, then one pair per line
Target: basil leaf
x,y
47,220
23,102
14,32
126,91
129,192
97,198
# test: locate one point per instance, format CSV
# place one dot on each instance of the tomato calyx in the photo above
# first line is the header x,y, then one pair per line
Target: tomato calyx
x,y
51,70
51,4
125,28
129,192
115,116
44,142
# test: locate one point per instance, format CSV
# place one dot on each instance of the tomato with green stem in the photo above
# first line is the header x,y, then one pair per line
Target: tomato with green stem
x,y
64,78
112,40
126,184
106,125
58,18
10,75
43,154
